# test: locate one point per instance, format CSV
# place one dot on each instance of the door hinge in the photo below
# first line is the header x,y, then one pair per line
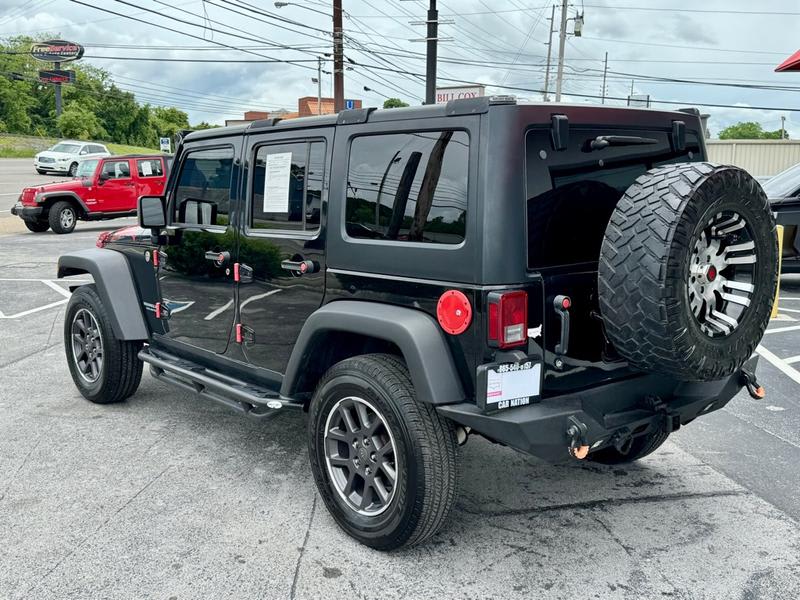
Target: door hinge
x,y
244,334
242,273
161,310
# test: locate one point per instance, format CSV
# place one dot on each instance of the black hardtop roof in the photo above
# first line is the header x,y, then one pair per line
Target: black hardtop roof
x,y
536,111
153,155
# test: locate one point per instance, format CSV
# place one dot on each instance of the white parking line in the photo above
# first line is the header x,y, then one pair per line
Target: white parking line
x,y
257,297
34,310
792,359
793,310
56,287
10,194
780,364
782,329
219,311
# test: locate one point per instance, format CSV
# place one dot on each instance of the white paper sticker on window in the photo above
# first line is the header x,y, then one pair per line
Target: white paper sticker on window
x,y
276,182
147,170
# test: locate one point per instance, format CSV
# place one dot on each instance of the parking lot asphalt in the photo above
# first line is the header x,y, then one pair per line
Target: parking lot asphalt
x,y
166,496
16,173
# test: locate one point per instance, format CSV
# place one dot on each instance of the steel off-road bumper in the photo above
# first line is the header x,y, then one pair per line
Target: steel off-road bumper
x,y
611,413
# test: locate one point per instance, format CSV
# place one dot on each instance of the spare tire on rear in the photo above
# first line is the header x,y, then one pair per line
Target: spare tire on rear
x,y
688,271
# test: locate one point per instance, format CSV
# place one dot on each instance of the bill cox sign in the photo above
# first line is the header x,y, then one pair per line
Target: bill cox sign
x,y
445,94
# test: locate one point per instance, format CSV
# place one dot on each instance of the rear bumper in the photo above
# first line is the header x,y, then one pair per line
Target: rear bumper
x,y
28,213
632,407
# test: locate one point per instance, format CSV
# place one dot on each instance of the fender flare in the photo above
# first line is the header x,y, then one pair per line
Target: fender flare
x,y
114,281
416,333
44,197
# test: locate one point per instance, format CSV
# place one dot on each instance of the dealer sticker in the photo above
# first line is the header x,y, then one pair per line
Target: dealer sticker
x,y
512,384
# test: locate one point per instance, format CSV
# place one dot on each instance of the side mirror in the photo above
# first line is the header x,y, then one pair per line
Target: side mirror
x,y
84,152
151,212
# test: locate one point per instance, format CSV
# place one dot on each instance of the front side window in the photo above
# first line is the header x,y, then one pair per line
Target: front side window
x,y
203,194
408,187
149,167
116,169
287,186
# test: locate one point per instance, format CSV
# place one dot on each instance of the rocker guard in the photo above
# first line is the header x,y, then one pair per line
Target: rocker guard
x,y
635,406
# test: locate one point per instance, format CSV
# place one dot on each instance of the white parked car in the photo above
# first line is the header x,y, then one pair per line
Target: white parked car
x,y
65,156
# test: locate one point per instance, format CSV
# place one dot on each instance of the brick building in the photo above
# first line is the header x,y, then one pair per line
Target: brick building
x,y
307,106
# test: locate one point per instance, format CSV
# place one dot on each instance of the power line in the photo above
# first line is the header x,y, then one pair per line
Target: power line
x,y
696,10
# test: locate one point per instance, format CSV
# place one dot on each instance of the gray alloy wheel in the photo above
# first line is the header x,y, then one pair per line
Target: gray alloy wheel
x,y
67,218
87,346
361,456
720,278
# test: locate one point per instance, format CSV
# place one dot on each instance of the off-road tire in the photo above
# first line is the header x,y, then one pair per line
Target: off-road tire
x,y
55,213
427,475
73,170
121,371
639,448
37,226
643,293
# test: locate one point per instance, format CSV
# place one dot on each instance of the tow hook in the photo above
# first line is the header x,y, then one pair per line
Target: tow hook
x,y
753,387
576,433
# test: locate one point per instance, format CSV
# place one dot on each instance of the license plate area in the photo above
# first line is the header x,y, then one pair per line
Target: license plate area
x,y
503,385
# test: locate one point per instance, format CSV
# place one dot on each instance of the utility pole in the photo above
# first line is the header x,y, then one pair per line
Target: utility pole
x,y
338,62
58,92
430,59
605,72
546,97
319,85
783,129
562,40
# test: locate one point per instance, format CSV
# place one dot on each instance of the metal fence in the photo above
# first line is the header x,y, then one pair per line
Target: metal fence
x,y
760,158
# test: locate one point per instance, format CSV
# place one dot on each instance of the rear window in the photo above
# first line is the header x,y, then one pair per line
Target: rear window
x,y
149,167
408,187
572,194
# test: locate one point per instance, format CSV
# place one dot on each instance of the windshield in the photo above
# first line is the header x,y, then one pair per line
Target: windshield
x,y
785,184
86,168
68,148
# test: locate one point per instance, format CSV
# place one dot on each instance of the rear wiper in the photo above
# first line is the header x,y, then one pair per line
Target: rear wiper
x,y
604,141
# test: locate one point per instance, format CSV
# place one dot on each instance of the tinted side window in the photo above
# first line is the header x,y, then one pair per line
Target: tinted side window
x,y
287,186
93,148
116,169
408,186
150,167
203,193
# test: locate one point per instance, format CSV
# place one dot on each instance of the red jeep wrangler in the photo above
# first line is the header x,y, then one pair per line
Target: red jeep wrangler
x,y
103,188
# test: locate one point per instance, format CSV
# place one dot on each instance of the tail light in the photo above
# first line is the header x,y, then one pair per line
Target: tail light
x,y
102,239
508,319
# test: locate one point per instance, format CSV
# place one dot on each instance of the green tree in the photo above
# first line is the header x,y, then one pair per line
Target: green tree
x,y
748,130
80,123
394,103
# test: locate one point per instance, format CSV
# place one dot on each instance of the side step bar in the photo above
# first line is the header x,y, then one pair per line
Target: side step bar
x,y
252,401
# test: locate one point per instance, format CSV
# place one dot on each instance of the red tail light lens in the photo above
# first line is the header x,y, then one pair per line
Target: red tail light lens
x,y
102,239
508,319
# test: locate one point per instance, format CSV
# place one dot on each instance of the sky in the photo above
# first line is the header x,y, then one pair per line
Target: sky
x,y
502,42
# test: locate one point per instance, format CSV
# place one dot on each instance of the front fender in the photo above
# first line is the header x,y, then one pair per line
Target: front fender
x,y
114,281
416,333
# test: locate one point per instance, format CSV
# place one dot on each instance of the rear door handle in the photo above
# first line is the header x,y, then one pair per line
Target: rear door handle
x,y
300,267
218,258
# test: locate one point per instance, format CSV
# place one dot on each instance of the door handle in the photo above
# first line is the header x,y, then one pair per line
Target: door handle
x,y
300,267
218,258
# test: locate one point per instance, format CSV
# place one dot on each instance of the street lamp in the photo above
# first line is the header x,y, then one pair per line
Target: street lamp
x,y
284,4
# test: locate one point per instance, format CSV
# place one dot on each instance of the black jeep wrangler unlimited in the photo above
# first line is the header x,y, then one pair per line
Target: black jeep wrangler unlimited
x,y
571,281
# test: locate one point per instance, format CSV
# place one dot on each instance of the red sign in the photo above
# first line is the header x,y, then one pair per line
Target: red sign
x,y
57,76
